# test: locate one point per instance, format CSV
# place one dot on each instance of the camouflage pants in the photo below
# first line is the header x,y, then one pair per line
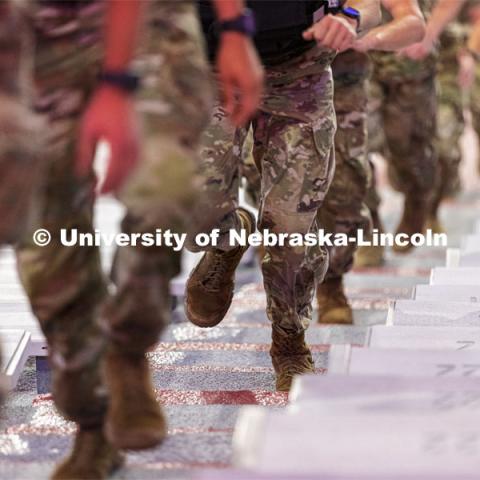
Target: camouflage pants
x,y
450,127
475,100
20,129
66,285
19,133
292,148
344,210
402,126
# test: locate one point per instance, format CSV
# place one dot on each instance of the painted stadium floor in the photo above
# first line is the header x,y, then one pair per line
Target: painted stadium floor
x,y
203,377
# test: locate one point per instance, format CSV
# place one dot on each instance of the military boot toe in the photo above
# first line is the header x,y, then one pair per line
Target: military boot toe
x,y
370,256
413,221
135,420
92,458
210,287
290,357
435,225
333,306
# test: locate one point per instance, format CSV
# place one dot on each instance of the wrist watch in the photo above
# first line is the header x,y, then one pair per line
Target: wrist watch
x,y
244,23
123,80
335,7
353,13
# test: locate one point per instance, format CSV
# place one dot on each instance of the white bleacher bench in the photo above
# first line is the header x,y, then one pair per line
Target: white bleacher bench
x,y
347,359
423,338
431,313
451,293
455,276
15,344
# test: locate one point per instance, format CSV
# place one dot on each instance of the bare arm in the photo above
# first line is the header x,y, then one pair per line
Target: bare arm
x,y
468,57
121,32
110,114
338,32
227,9
239,69
407,27
443,13
474,39
370,13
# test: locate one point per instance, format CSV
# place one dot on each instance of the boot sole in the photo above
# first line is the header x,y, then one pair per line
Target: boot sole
x,y
403,250
281,388
332,317
133,441
200,321
116,464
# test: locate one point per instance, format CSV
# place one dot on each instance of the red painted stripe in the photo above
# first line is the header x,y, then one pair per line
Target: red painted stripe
x,y
222,397
208,397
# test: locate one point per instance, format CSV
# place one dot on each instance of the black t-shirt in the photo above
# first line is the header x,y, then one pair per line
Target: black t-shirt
x,y
280,24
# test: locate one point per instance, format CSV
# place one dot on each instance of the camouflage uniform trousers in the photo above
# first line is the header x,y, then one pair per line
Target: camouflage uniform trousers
x,y
450,124
344,210
292,148
474,101
19,133
66,285
402,127
20,129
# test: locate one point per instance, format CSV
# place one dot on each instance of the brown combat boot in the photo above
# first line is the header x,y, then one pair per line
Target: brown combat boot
x,y
290,356
435,225
413,221
333,306
371,256
92,457
134,419
210,287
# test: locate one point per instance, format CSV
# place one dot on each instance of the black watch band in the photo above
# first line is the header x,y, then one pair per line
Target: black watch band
x,y
124,80
244,23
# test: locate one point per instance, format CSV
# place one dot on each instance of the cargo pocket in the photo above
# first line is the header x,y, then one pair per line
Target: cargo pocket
x,y
324,131
319,169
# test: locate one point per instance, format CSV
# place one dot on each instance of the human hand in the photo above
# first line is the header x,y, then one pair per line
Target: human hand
x,y
110,116
335,32
241,76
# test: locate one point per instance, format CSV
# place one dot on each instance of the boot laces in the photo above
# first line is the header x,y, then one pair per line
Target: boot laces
x,y
216,275
294,357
